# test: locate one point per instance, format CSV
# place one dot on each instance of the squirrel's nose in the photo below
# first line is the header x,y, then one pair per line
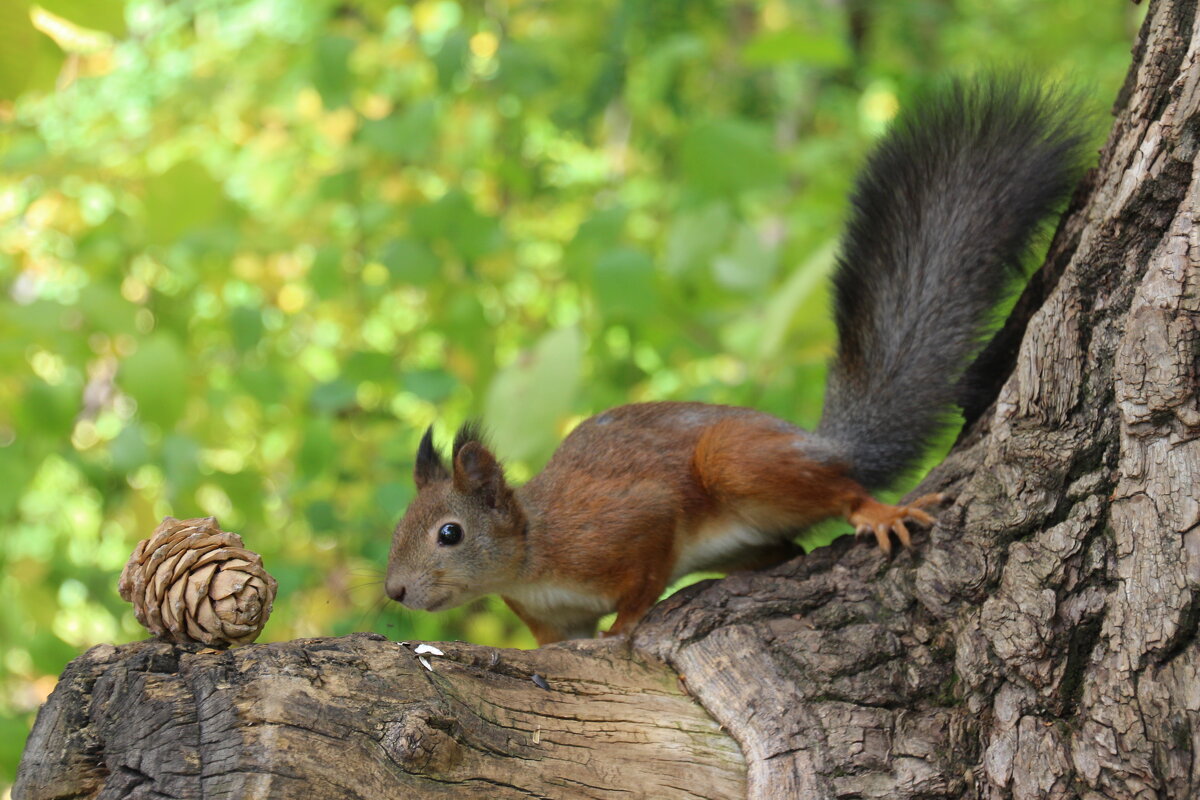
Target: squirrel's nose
x,y
396,593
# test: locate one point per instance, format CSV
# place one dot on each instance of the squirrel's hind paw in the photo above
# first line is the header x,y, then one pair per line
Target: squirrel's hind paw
x,y
883,520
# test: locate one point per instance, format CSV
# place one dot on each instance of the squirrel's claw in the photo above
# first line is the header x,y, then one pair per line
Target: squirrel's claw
x,y
883,520
880,532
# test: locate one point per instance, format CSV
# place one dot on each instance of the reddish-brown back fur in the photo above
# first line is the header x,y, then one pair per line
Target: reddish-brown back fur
x,y
631,489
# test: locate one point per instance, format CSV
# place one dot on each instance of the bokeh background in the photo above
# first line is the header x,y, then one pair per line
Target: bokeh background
x,y
250,250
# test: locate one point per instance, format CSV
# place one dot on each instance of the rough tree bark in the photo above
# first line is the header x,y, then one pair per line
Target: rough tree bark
x,y
1040,642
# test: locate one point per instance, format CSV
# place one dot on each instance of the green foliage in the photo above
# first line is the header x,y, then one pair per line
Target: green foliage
x,y
250,249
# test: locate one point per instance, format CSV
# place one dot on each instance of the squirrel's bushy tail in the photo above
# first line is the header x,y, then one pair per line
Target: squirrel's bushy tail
x,y
942,216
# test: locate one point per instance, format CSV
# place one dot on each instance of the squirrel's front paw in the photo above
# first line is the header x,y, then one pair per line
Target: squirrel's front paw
x,y
883,520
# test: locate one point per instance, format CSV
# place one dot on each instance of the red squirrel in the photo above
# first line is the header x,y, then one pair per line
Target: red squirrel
x,y
643,494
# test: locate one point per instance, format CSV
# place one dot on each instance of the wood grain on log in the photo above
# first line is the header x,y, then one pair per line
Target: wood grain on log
x,y
361,717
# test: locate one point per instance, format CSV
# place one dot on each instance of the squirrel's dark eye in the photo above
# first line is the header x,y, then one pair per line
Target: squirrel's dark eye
x,y
450,534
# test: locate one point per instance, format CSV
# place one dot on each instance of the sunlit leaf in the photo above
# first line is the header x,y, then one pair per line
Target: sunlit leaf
x,y
749,264
696,236
528,399
818,49
97,15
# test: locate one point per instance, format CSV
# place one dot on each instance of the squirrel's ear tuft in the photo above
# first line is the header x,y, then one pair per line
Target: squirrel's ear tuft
x,y
477,472
471,431
429,466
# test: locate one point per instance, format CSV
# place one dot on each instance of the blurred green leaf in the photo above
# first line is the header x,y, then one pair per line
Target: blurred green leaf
x,y
247,327
98,15
29,60
327,277
365,365
107,310
181,462
265,384
796,46
341,185
321,515
156,377
183,198
598,234
749,264
317,448
331,69
50,409
696,236
15,473
523,71
783,310
410,262
12,738
392,498
409,134
726,157
454,219
451,58
334,396
244,489
624,283
464,319
128,449
528,399
433,385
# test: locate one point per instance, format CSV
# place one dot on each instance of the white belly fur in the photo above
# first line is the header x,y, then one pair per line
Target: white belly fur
x,y
717,542
568,606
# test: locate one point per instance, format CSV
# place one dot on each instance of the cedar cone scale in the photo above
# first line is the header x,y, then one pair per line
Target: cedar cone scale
x,y
193,582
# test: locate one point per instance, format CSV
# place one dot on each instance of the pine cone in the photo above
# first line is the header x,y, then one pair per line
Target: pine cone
x,y
193,582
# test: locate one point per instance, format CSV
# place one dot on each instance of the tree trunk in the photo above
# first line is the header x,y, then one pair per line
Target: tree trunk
x,y
1040,642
